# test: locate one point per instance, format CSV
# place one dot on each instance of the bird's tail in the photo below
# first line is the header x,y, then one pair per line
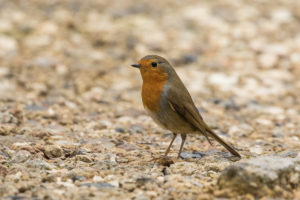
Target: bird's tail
x,y
222,142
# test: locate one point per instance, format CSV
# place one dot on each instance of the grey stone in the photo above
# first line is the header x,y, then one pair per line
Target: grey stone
x,y
39,164
185,155
142,197
74,177
44,62
83,158
136,129
21,157
261,175
53,151
34,107
120,130
97,185
6,117
143,181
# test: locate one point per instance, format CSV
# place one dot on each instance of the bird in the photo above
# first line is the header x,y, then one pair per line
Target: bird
x,y
170,105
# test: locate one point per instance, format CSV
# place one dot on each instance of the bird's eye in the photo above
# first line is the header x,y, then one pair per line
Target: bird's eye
x,y
154,64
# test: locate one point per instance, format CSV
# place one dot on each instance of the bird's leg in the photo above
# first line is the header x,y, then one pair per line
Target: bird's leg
x,y
169,147
183,137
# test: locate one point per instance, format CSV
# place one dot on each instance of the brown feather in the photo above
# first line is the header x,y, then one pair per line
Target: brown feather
x,y
185,107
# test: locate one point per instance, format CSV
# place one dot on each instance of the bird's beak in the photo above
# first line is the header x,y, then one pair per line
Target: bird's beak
x,y
136,65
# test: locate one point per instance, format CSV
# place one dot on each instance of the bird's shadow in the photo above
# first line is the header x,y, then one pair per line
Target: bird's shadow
x,y
199,155
194,156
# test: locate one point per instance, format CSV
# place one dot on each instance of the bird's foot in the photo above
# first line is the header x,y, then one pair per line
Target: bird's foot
x,y
163,160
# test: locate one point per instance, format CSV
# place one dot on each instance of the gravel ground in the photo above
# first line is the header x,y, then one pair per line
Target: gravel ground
x,y
72,125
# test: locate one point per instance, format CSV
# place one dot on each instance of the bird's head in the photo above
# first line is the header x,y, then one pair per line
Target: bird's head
x,y
154,68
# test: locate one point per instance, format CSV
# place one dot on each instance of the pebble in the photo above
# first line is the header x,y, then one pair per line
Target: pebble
x,y
102,185
7,118
142,197
53,151
83,158
224,82
97,179
7,129
39,164
44,62
7,44
120,130
3,171
21,157
241,130
74,177
256,149
136,129
267,60
282,15
263,121
185,155
34,107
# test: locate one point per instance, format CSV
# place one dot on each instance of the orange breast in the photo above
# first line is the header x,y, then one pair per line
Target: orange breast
x,y
151,94
154,80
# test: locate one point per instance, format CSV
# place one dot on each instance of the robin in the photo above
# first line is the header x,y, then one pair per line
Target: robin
x,y
168,102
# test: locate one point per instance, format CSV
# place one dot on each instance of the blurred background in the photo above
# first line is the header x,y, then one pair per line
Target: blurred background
x,y
66,83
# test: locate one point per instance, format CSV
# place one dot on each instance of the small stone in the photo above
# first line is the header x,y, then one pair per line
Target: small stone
x,y
120,130
267,60
83,158
282,15
44,62
7,129
21,157
97,179
151,194
277,132
224,82
277,49
185,155
49,179
241,130
74,177
39,164
19,145
99,125
16,197
48,27
34,107
129,186
256,149
104,124
53,151
5,25
136,129
7,118
186,59
290,154
114,183
263,121
7,44
97,185
144,180
142,197
3,170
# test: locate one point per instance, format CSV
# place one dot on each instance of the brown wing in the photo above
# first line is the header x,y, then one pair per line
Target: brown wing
x,y
184,106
